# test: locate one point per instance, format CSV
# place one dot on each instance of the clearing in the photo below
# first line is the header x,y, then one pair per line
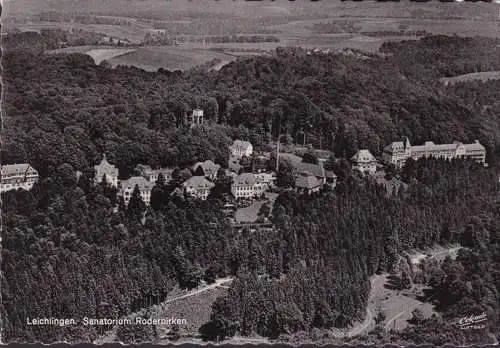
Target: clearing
x,y
482,76
250,213
194,306
397,305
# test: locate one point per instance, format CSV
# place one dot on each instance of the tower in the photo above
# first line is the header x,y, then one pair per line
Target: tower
x,y
196,118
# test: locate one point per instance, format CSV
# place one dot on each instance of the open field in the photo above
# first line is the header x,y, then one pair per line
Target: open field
x,y
291,22
482,76
171,58
151,58
194,306
173,9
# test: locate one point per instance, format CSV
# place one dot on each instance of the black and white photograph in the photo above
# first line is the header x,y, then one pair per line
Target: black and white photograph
x,y
250,172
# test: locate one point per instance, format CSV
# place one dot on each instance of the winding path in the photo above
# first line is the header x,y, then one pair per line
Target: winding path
x,y
109,336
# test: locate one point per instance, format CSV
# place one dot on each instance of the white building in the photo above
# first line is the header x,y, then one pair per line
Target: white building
x,y
398,152
196,118
105,169
241,148
364,161
198,187
15,176
248,185
243,186
264,181
127,189
151,175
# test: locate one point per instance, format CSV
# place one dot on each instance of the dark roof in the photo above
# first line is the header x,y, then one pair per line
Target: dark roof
x,y
315,169
307,181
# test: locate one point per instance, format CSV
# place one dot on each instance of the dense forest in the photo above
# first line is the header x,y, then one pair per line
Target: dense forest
x,y
68,253
319,278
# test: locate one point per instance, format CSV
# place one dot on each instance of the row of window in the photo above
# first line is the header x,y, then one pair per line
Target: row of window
x,y
16,185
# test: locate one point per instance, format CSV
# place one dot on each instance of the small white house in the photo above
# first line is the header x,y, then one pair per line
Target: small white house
x,y
241,148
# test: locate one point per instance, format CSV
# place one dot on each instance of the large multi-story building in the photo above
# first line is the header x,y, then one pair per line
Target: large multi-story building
x,y
364,161
241,148
127,188
243,186
248,185
106,170
198,187
15,176
398,152
151,175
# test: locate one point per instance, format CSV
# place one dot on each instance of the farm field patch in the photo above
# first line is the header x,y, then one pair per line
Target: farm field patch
x,y
482,76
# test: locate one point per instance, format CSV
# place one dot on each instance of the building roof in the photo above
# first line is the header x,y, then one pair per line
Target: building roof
x,y
17,169
241,144
397,146
475,146
198,182
307,181
265,177
363,156
315,169
106,167
394,146
143,168
143,184
208,166
430,146
244,179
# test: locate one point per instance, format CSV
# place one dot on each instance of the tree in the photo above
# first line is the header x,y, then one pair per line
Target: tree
x,y
264,210
406,281
417,316
136,205
221,325
156,199
286,175
160,181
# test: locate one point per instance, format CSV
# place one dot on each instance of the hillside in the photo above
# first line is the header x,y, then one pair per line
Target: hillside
x,y
71,249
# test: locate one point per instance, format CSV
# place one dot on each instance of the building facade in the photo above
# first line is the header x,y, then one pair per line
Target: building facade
x,y
107,170
15,176
127,189
364,161
241,148
398,152
151,175
248,185
243,186
196,118
264,182
198,187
